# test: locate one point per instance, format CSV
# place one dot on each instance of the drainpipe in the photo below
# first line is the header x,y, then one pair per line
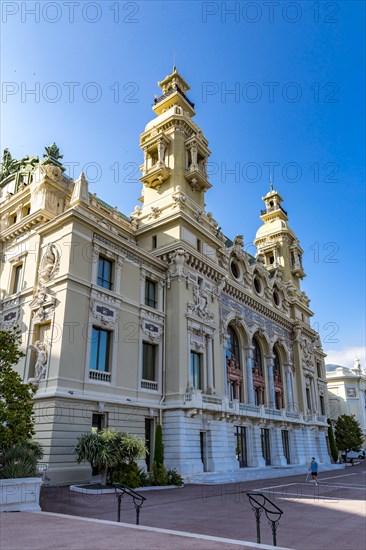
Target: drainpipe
x,y
164,362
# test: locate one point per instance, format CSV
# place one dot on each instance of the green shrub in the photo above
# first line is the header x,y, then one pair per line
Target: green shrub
x,y
175,478
159,447
159,475
130,475
20,460
332,443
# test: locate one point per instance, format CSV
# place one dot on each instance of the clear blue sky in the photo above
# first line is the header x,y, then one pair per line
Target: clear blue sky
x,y
297,71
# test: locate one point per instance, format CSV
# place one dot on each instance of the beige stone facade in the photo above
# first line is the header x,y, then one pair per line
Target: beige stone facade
x,y
159,317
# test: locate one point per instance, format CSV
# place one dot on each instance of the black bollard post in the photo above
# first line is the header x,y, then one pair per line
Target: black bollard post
x,y
258,522
119,508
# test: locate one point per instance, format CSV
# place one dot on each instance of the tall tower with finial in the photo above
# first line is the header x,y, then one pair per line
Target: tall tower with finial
x,y
175,155
277,242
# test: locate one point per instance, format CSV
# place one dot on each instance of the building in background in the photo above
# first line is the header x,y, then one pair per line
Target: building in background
x,y
159,317
347,392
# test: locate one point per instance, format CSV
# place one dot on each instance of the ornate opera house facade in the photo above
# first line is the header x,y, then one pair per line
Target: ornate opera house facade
x,y
159,317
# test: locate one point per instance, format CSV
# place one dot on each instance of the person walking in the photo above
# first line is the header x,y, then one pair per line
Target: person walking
x,y
314,470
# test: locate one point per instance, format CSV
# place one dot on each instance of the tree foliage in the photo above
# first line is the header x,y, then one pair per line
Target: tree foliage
x,y
107,449
159,447
348,433
16,398
332,443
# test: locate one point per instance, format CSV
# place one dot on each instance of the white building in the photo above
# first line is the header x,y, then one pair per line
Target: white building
x,y
347,392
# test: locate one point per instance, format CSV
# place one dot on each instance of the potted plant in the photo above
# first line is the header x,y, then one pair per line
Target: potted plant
x,y
19,483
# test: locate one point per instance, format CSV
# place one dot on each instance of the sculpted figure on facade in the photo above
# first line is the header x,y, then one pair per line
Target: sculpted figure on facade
x,y
308,353
49,264
200,304
41,361
178,268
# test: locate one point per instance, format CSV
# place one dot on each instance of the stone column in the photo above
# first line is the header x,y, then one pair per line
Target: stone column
x,y
256,455
210,385
161,286
117,282
278,457
142,289
290,396
271,380
250,365
94,275
189,375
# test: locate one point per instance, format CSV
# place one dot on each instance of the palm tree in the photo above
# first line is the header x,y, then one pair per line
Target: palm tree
x,y
107,449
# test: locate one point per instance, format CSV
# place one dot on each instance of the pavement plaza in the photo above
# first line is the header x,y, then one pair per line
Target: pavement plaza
x,y
330,515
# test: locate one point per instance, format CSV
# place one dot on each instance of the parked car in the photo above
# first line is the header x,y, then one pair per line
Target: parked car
x,y
352,455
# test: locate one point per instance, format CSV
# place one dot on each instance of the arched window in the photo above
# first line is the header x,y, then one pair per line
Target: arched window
x,y
277,379
258,361
233,344
258,379
277,364
233,371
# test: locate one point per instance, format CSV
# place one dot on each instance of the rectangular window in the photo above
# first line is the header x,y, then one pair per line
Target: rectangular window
x,y
199,245
17,278
149,361
196,370
322,406
105,273
319,369
154,240
150,294
100,350
308,399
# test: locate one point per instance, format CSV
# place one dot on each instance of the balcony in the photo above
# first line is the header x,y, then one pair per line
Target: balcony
x,y
99,376
197,178
172,91
149,385
273,209
155,175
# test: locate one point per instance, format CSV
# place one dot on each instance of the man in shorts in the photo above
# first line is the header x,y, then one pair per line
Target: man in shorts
x,y
314,470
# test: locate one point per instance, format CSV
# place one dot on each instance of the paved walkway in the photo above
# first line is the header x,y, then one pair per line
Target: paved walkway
x,y
330,516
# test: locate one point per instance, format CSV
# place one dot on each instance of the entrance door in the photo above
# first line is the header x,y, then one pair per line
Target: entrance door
x,y
241,446
203,449
285,445
266,447
149,423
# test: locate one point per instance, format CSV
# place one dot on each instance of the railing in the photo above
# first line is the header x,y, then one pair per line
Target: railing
x,y
149,385
272,209
138,500
170,92
100,376
273,514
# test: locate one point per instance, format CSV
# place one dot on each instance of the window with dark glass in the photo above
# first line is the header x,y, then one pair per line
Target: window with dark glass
x,y
277,364
154,241
150,294
105,273
319,369
257,356
17,278
235,270
257,284
100,349
233,344
196,368
322,406
148,361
